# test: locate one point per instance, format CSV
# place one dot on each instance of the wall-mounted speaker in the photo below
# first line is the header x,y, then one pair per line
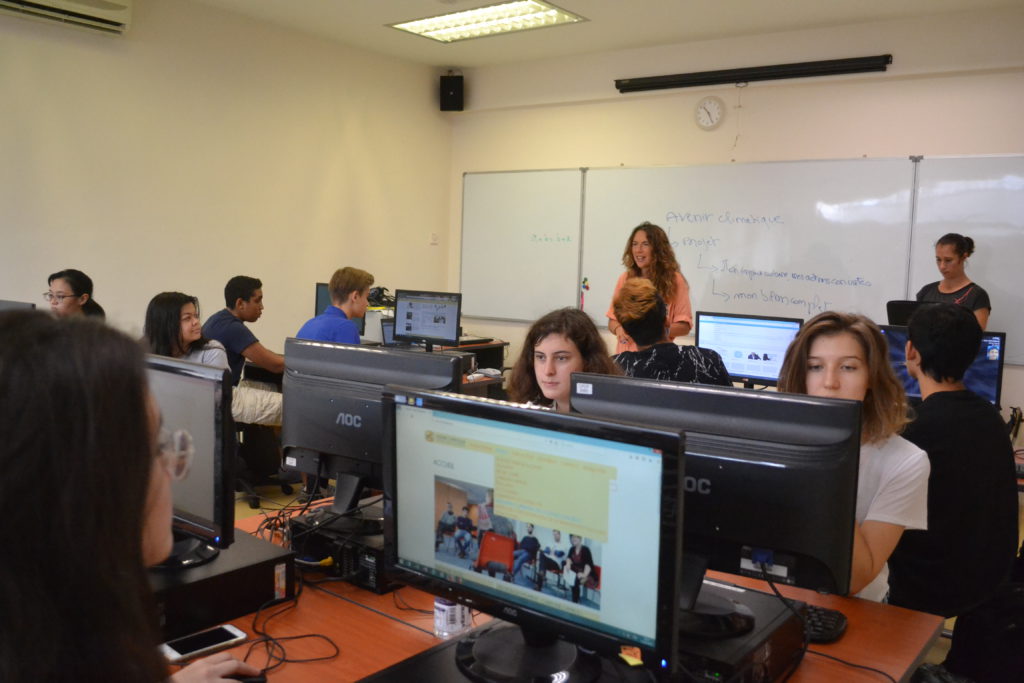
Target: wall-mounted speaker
x,y
451,93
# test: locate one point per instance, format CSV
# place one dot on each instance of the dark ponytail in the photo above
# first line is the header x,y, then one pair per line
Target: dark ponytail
x,y
962,245
80,284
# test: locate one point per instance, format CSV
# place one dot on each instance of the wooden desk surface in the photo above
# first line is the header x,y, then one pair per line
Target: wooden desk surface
x,y
885,637
375,631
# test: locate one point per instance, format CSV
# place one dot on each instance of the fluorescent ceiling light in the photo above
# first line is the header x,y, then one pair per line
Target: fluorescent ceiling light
x,y
506,17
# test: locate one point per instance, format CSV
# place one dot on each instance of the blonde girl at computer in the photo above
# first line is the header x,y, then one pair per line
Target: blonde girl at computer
x,y
74,592
558,344
843,355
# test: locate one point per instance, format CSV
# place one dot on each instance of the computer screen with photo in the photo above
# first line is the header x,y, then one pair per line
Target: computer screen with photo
x,y
427,317
752,346
984,376
608,490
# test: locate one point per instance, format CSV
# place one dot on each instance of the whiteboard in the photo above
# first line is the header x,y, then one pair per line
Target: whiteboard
x,y
520,243
784,238
983,198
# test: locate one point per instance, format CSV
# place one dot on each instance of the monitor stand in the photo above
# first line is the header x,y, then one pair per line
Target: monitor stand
x,y
187,552
510,654
348,515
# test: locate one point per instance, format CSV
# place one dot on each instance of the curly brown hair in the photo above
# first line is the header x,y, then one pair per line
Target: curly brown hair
x,y
577,327
665,265
884,409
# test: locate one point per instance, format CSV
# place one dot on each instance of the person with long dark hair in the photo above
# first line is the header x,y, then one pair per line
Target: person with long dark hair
x,y
951,253
843,355
558,344
70,294
173,328
649,254
73,586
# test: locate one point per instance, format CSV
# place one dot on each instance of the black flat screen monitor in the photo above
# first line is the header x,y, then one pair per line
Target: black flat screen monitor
x,y
984,376
323,300
428,317
769,476
6,305
331,424
197,398
898,311
615,487
752,346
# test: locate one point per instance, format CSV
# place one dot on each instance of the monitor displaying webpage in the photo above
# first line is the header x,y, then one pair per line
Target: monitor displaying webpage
x,y
751,347
428,315
593,499
983,377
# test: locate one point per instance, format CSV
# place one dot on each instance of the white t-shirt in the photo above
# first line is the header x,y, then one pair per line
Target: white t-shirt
x,y
211,354
892,488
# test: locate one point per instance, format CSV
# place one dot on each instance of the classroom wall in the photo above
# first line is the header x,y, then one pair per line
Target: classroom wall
x,y
201,145
956,87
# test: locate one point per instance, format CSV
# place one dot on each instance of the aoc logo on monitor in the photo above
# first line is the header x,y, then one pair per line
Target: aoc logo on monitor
x,y
349,420
695,485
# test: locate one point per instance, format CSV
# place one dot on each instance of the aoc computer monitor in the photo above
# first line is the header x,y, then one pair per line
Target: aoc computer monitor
x,y
752,346
614,488
770,478
6,305
984,376
427,317
197,398
332,424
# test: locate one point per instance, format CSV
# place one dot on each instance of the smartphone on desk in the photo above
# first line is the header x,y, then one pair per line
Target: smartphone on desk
x,y
207,642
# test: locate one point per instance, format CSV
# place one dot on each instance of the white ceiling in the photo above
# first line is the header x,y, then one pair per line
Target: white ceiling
x,y
612,25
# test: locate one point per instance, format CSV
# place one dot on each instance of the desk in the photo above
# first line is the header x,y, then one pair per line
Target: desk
x,y
374,633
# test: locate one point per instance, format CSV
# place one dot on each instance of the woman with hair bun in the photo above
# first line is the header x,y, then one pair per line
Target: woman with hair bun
x,y
648,254
71,294
951,254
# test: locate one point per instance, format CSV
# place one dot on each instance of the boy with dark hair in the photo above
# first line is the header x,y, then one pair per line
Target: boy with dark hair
x,y
968,550
243,298
350,297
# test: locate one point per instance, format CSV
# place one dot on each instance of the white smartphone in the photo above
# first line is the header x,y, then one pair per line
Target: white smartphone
x,y
203,643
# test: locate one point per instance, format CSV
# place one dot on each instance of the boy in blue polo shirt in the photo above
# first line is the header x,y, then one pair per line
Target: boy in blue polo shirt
x,y
350,292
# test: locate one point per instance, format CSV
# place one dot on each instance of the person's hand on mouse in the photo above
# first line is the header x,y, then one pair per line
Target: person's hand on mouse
x,y
214,668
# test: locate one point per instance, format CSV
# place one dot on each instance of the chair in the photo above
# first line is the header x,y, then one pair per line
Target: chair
x,y
495,554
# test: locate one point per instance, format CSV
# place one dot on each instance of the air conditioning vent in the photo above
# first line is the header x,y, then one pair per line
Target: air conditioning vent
x,y
110,16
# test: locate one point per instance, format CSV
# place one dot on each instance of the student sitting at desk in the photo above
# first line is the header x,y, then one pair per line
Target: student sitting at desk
x,y
71,294
243,297
74,593
968,551
641,311
558,344
172,329
842,355
350,297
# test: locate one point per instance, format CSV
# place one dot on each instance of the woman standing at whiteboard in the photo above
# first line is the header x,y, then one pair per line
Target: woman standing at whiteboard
x,y
648,254
843,355
951,253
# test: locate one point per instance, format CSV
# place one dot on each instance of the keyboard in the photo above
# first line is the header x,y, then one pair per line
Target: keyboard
x,y
824,625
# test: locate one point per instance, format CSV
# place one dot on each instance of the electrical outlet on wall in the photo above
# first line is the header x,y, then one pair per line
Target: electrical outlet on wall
x,y
434,239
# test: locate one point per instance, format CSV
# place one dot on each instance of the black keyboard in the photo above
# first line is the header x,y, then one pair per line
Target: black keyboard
x,y
469,341
824,625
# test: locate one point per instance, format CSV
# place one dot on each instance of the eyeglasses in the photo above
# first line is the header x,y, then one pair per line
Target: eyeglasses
x,y
176,450
59,298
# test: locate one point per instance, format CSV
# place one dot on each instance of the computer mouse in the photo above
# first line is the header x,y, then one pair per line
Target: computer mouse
x,y
474,376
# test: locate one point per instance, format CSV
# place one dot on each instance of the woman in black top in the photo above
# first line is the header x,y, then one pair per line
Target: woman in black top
x,y
579,565
951,253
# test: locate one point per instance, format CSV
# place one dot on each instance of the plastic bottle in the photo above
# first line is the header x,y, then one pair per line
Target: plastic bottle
x,y
450,618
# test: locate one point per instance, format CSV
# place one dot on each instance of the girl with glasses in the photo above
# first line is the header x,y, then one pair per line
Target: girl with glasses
x,y
70,294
